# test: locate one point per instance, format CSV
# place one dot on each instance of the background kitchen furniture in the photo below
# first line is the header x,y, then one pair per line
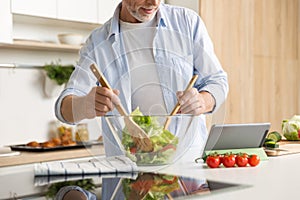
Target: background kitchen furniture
x,y
89,11
93,12
258,44
79,10
41,8
29,38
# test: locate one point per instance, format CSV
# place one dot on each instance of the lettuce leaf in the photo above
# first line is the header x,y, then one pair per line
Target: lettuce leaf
x,y
159,137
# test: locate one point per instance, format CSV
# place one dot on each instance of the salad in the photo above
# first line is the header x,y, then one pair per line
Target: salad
x,y
150,186
163,141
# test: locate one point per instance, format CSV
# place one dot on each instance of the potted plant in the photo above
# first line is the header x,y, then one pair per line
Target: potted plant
x,y
57,75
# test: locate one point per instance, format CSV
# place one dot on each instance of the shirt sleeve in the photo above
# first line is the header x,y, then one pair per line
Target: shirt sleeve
x,y
80,82
212,77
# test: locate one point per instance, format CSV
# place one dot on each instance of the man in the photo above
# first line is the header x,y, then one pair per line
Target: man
x,y
148,52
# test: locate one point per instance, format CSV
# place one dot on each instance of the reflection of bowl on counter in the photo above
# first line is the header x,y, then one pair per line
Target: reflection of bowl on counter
x,y
70,38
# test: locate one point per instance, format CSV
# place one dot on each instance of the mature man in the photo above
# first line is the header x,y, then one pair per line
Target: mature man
x,y
148,51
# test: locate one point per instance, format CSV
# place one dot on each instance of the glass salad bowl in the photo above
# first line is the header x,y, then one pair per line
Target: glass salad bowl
x,y
169,142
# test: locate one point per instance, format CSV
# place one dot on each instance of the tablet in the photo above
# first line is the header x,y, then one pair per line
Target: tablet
x,y
236,136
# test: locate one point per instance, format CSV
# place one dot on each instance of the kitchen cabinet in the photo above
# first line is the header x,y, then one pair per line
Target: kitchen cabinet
x,y
87,11
78,10
258,44
5,21
106,9
42,8
41,20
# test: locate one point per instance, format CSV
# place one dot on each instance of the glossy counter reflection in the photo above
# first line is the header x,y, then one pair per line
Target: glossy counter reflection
x,y
158,186
151,186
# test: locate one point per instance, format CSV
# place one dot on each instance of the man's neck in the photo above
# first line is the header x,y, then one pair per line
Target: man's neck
x,y
125,16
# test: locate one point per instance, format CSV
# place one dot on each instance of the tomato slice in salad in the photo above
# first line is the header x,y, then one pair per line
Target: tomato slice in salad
x,y
133,150
169,181
168,146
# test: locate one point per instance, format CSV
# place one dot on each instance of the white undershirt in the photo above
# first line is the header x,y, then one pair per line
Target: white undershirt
x,y
145,85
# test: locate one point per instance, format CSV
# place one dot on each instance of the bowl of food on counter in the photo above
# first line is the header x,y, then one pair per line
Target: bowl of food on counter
x,y
167,137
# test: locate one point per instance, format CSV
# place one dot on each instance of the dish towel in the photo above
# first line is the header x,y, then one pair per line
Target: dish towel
x,y
116,166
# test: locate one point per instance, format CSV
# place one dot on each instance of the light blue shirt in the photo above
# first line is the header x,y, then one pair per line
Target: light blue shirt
x,y
181,48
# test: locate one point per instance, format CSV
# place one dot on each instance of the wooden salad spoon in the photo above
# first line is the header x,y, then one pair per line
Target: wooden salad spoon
x,y
177,106
139,136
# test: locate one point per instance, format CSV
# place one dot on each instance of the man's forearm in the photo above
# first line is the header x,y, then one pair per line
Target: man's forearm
x,y
209,100
72,108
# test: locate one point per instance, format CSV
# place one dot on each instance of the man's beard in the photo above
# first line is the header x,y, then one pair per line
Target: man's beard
x,y
140,17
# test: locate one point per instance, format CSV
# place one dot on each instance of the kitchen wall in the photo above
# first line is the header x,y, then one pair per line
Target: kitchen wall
x,y
25,110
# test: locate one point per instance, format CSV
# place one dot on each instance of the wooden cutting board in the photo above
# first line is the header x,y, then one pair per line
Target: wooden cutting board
x,y
285,148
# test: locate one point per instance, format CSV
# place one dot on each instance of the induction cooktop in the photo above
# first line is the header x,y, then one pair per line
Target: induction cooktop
x,y
144,185
162,186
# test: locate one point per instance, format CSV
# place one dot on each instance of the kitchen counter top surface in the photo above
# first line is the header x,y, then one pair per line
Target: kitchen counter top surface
x,y
276,178
33,157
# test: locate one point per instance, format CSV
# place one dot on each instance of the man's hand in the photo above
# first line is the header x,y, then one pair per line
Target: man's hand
x,y
97,102
194,102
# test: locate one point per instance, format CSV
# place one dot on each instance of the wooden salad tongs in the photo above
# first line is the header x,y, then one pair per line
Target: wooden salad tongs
x,y
139,136
177,106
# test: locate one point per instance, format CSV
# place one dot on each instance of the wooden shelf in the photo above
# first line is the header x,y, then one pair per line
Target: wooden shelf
x,y
56,22
36,45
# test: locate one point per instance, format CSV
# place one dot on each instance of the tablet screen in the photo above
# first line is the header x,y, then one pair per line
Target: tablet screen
x,y
236,136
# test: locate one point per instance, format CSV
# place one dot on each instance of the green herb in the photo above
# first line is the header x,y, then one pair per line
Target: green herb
x,y
59,73
86,184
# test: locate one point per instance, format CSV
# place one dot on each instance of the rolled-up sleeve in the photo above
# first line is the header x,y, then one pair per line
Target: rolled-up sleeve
x,y
80,82
212,77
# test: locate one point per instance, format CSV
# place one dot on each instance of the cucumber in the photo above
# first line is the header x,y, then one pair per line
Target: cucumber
x,y
271,144
275,136
268,140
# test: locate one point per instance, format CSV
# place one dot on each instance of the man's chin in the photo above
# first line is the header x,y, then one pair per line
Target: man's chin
x,y
146,18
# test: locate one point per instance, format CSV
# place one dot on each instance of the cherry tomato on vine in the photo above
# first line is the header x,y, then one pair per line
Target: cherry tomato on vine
x,y
213,161
253,160
241,160
221,156
229,160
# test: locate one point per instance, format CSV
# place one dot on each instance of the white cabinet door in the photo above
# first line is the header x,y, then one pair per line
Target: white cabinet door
x,y
78,10
6,20
106,9
43,8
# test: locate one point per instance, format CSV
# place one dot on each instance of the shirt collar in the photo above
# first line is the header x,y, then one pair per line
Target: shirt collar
x,y
161,15
114,27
